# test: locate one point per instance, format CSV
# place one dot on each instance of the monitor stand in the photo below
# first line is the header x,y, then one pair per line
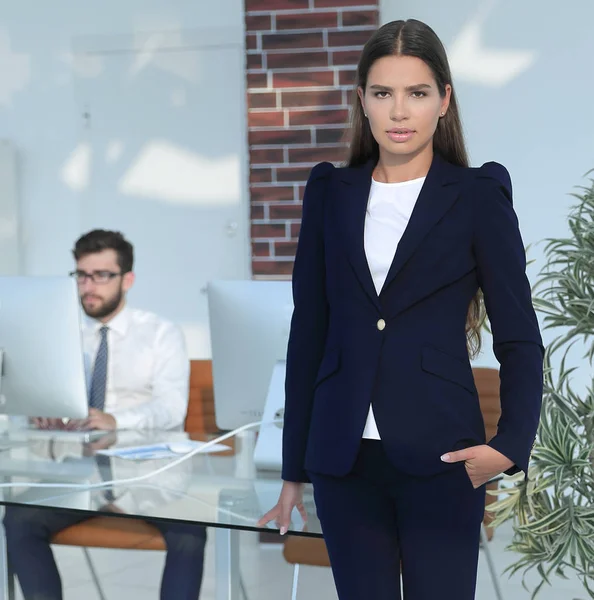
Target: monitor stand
x,y
268,451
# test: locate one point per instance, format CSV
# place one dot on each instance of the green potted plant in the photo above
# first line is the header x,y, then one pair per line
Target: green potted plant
x,y
553,514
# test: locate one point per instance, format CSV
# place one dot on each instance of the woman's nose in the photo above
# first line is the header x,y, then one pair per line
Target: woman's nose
x,y
398,111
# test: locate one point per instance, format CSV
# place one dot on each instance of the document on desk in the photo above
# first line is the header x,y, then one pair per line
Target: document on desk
x,y
163,450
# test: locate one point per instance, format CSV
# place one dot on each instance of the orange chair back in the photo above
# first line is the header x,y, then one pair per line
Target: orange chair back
x,y
200,417
487,385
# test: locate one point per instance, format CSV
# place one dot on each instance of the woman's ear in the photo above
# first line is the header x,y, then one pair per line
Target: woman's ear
x,y
445,103
361,94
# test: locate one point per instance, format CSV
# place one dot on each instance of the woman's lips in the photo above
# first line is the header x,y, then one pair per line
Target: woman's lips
x,y
400,135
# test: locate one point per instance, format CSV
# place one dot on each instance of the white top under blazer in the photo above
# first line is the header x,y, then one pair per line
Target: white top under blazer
x,y
389,209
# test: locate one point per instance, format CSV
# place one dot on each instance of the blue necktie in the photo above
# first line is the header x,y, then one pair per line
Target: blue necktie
x,y
97,400
99,378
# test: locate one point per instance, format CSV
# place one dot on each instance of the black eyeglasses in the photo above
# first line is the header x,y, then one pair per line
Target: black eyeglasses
x,y
100,277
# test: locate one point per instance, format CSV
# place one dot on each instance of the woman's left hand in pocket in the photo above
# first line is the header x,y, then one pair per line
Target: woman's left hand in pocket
x,y
482,463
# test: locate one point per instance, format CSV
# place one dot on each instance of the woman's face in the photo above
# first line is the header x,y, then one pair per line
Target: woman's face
x,y
403,106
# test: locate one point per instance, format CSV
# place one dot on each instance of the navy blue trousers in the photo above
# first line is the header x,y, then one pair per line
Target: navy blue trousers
x,y
28,534
378,522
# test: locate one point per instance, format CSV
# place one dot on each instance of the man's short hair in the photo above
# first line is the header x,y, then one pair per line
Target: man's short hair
x,y
102,239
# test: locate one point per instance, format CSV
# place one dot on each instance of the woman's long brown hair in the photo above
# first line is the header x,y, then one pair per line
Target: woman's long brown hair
x,y
414,38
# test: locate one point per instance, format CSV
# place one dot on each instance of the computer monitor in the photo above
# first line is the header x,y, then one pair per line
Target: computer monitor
x,y
249,330
42,364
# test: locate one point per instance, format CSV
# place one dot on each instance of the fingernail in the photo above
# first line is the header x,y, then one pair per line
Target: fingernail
x,y
283,530
445,457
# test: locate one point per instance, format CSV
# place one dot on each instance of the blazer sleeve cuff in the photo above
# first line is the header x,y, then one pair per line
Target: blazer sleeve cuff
x,y
294,475
509,446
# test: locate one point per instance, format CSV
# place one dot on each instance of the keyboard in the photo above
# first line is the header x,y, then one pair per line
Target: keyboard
x,y
61,435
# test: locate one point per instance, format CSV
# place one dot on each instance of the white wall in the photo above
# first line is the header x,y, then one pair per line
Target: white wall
x,y
523,74
61,59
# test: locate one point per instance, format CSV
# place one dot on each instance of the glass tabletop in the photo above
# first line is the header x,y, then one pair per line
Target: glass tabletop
x,y
221,489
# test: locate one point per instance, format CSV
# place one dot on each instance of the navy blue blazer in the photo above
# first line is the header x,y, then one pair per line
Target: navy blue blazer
x,y
404,350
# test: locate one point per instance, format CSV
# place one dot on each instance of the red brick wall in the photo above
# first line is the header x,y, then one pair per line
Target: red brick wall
x,y
301,60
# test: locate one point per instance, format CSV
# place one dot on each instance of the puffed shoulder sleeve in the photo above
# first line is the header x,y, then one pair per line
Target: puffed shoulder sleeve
x,y
517,343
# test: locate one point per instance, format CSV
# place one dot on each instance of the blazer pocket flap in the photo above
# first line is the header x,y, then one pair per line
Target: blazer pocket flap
x,y
329,365
447,367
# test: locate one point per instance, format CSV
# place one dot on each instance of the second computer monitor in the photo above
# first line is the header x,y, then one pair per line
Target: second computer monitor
x,y
249,330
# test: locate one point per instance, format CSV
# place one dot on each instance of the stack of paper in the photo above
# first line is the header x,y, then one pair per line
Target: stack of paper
x,y
163,450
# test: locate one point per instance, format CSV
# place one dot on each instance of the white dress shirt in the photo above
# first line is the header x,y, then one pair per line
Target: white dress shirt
x,y
389,209
148,369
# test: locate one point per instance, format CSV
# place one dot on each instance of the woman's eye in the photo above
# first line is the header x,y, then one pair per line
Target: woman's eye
x,y
419,94
381,94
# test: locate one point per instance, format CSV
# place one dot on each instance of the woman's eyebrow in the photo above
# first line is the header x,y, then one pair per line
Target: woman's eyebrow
x,y
408,88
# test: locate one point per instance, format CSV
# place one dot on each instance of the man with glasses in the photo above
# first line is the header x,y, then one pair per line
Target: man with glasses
x,y
138,378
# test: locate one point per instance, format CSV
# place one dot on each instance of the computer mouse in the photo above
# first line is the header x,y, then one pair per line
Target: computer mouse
x,y
180,447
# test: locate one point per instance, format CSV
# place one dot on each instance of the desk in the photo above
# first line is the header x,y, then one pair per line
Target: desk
x,y
221,491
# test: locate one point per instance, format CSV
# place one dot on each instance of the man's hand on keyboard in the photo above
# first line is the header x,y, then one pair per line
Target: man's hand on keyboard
x,y
44,423
100,420
95,420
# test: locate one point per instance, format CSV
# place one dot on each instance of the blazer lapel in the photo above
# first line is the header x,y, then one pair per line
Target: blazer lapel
x,y
435,199
356,184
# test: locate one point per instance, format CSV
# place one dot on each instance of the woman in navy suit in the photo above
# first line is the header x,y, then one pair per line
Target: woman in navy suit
x,y
396,252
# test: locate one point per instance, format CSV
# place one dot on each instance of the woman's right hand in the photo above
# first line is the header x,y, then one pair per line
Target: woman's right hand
x,y
291,496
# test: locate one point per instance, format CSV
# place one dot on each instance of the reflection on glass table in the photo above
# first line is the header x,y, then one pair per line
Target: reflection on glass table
x,y
222,490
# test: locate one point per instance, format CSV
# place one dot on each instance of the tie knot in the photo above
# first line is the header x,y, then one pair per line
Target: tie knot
x,y
103,330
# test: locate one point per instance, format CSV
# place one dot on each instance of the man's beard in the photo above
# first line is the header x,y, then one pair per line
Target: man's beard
x,y
105,309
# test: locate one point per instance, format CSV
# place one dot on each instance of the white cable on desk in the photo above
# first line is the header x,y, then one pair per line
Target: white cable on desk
x,y
95,486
